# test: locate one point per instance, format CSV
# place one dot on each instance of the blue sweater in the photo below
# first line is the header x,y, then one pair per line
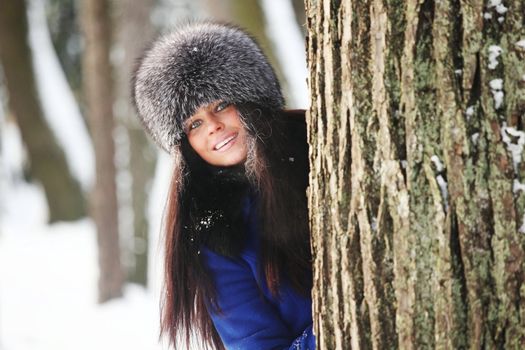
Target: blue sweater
x,y
251,318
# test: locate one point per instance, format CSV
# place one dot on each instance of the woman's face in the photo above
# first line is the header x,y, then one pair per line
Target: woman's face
x,y
217,134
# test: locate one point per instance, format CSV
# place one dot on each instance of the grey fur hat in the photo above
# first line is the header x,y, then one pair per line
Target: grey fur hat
x,y
198,64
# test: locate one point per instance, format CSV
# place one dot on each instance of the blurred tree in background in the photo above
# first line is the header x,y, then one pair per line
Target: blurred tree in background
x,y
62,20
133,31
98,84
47,163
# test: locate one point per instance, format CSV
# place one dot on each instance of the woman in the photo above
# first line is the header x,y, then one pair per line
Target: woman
x,y
237,266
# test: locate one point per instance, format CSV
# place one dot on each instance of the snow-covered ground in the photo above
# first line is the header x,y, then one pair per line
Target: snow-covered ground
x,y
48,286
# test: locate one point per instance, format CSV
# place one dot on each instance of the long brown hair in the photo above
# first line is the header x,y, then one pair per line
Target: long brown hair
x,y
277,169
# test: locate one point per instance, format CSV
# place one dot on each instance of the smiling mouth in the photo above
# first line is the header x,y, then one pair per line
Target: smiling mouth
x,y
224,142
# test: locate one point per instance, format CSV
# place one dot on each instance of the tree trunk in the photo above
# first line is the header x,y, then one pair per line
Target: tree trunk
x,y
97,77
47,160
416,197
134,32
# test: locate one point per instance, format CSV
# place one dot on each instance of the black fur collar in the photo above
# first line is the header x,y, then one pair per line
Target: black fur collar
x,y
212,205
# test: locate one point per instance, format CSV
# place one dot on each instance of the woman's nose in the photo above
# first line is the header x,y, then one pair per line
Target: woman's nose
x,y
214,125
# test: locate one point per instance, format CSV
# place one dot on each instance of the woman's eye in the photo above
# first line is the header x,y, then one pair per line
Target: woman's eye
x,y
222,105
194,124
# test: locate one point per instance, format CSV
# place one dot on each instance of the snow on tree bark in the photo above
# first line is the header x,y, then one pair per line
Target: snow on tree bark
x,y
416,197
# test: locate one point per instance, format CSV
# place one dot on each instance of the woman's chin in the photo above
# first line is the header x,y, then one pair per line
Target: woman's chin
x,y
233,156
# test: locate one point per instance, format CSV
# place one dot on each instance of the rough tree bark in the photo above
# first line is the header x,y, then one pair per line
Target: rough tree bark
x,y
97,73
48,164
417,199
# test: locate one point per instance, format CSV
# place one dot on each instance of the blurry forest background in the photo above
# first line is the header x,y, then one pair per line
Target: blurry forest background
x,y
81,186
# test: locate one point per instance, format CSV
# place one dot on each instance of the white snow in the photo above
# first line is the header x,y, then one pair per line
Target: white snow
x,y
517,186
515,148
475,138
443,188
501,9
58,102
469,112
289,46
521,43
437,163
496,85
48,291
440,180
494,3
501,19
487,15
48,273
494,52
498,98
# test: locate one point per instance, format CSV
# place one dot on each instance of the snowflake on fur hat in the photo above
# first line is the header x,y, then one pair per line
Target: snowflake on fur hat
x,y
196,65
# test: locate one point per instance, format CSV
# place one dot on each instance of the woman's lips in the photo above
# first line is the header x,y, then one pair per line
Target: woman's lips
x,y
226,143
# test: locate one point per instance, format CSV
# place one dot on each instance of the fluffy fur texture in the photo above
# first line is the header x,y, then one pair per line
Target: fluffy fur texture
x,y
198,64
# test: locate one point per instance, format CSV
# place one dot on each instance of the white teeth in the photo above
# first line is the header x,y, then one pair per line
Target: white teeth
x,y
223,143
